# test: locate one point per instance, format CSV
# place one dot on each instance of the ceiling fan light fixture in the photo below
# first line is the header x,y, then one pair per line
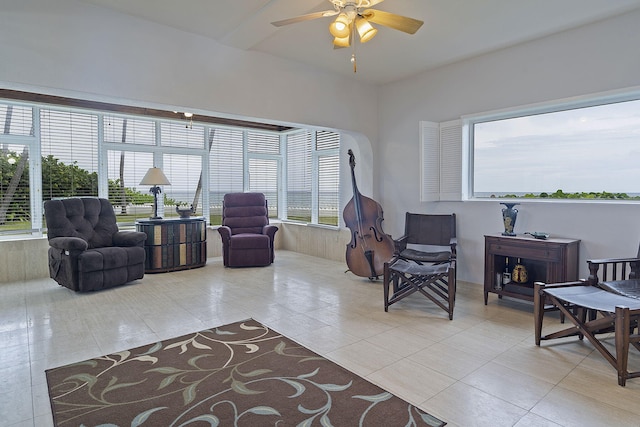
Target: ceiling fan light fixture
x,y
365,30
340,27
342,41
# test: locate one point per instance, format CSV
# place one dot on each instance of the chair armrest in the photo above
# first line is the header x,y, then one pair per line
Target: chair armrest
x,y
225,232
453,242
400,244
270,230
69,243
129,238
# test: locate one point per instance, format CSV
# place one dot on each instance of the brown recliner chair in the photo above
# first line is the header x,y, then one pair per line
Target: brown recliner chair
x,y
87,252
247,236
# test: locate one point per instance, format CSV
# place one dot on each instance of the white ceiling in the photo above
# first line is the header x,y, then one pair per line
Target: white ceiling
x,y
452,30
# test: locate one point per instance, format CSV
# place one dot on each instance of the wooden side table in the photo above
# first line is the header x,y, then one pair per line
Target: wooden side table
x,y
174,244
553,260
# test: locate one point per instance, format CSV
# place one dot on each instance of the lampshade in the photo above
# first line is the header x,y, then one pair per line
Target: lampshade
x,y
365,30
340,27
155,176
342,41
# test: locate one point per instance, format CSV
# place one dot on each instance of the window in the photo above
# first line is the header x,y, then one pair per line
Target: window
x,y
15,140
264,167
328,167
299,177
313,177
226,168
184,174
126,169
57,151
69,147
566,151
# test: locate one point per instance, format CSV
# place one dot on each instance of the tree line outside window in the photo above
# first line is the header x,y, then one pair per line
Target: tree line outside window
x,y
49,152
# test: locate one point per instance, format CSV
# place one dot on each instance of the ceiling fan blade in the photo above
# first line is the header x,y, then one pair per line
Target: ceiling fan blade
x,y
374,2
306,17
391,20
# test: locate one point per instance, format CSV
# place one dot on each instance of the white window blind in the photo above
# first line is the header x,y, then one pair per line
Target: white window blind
x,y
80,159
263,178
183,172
14,188
128,130
16,120
327,145
69,146
299,176
126,169
263,143
15,207
181,135
264,151
226,168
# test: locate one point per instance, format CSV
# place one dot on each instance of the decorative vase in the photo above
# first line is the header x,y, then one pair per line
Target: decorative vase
x,y
185,212
519,273
509,215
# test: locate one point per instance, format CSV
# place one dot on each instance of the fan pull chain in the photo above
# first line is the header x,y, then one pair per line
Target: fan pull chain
x,y
353,47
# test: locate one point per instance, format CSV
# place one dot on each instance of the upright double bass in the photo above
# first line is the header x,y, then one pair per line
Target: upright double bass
x,y
370,247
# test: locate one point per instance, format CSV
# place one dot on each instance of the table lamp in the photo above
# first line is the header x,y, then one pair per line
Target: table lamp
x,y
155,177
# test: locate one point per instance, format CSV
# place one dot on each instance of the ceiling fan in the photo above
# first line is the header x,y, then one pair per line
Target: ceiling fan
x,y
355,17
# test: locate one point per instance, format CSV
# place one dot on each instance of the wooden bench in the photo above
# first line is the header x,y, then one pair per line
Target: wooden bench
x,y
593,311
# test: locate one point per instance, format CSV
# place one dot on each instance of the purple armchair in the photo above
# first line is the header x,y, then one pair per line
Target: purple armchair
x,y
247,237
87,252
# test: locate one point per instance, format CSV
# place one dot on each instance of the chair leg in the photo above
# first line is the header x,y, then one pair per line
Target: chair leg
x,y
452,290
622,327
538,309
385,285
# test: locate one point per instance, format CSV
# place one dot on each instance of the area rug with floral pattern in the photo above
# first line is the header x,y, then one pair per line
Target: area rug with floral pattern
x,y
241,374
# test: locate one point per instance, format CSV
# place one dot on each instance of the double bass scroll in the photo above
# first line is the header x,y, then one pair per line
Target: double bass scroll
x,y
370,246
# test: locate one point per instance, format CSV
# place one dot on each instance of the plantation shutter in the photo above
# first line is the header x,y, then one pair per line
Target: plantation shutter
x,y
226,168
299,177
327,146
451,160
69,147
429,161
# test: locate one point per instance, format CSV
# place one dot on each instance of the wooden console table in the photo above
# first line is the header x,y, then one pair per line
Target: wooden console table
x,y
174,244
553,260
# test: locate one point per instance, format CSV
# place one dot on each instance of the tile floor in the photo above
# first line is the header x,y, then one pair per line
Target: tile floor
x,y
481,369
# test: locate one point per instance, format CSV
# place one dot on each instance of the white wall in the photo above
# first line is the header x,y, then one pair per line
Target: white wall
x,y
71,48
67,46
595,58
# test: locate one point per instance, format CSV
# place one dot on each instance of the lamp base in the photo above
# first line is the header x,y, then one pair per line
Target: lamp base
x,y
155,217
